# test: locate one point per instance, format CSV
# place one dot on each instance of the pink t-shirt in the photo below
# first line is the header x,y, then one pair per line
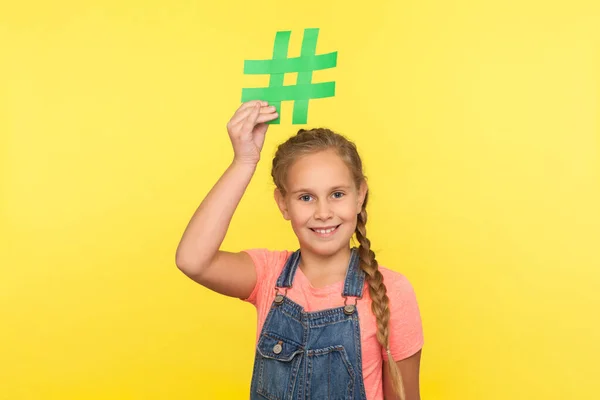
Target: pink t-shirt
x,y
406,333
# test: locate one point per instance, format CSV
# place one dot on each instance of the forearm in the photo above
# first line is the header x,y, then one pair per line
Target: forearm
x,y
208,226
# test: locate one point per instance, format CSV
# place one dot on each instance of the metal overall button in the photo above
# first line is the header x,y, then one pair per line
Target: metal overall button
x,y
279,297
278,347
349,308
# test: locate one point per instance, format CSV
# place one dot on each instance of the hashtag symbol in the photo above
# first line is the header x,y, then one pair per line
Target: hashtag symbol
x,y
304,90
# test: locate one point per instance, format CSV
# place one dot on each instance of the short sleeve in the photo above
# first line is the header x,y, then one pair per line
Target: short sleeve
x,y
405,326
268,265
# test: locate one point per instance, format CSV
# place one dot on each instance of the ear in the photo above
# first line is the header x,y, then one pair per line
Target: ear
x,y
362,194
280,199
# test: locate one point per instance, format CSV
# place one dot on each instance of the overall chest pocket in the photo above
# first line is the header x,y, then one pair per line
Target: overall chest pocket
x,y
278,363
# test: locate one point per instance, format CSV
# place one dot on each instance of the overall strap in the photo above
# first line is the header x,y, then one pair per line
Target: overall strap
x,y
353,284
355,277
289,270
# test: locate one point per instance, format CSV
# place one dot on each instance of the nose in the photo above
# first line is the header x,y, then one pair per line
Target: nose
x,y
323,210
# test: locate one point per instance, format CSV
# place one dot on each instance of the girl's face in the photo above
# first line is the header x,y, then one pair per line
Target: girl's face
x,y
322,202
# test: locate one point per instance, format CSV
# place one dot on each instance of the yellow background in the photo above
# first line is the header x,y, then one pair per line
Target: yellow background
x,y
478,125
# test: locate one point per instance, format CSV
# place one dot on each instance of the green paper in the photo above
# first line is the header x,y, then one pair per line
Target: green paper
x,y
309,48
295,92
304,65
286,65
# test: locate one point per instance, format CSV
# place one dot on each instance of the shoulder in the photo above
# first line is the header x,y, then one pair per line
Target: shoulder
x,y
401,294
396,282
268,261
268,256
268,264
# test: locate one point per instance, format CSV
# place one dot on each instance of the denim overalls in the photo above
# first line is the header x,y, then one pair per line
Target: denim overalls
x,y
310,355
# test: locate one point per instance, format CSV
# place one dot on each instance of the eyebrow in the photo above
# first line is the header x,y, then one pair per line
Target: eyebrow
x,y
331,190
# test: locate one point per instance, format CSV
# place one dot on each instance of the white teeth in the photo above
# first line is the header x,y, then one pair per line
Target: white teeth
x,y
324,231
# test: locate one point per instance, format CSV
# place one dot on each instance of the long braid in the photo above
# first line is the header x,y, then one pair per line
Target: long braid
x,y
378,293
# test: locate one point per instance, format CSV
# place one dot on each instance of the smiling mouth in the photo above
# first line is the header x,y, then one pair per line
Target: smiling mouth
x,y
325,231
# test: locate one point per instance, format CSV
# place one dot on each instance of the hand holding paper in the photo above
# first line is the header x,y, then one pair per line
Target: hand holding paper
x,y
247,129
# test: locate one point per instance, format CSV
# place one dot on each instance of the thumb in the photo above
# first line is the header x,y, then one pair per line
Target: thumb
x,y
260,133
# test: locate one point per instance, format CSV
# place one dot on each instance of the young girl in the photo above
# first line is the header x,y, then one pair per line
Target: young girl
x,y
332,323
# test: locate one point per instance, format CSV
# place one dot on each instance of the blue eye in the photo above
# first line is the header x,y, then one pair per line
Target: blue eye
x,y
305,197
338,193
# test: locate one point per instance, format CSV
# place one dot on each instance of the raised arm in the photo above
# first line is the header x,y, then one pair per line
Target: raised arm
x,y
198,254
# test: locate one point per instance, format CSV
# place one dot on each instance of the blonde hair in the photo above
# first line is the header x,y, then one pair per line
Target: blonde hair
x,y
320,139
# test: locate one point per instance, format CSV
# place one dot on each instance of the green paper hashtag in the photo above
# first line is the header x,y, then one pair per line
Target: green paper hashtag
x,y
280,64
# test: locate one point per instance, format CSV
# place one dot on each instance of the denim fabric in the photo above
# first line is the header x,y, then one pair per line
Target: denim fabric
x,y
310,355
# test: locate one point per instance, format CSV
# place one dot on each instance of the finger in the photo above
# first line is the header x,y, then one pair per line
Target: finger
x,y
260,134
251,120
244,113
252,103
240,116
267,117
269,109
